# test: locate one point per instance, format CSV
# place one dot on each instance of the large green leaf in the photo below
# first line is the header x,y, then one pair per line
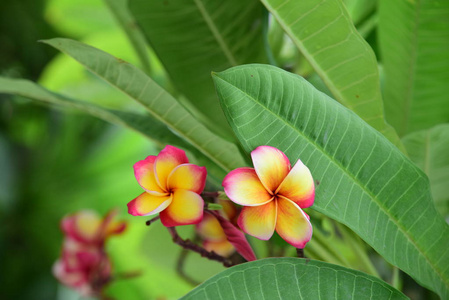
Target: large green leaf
x,y
429,150
324,33
143,124
365,181
292,278
414,43
160,104
194,37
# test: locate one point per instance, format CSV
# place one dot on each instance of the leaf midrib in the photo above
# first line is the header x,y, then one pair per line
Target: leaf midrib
x,y
412,69
349,174
218,37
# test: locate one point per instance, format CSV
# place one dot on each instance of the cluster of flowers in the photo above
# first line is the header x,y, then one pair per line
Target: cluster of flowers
x,y
84,264
269,197
272,193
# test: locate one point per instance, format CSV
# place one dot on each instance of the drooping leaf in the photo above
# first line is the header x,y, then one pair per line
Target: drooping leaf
x,y
143,124
194,37
429,150
365,182
324,33
414,42
292,278
160,104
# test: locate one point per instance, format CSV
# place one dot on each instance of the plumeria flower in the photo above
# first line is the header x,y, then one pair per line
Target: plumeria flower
x,y
85,268
172,188
88,227
214,237
84,264
273,194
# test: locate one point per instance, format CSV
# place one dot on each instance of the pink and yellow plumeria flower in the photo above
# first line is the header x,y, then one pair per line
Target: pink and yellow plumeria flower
x,y
85,268
172,188
84,264
273,194
88,227
214,237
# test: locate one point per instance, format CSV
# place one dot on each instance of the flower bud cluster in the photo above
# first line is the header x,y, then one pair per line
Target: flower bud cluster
x,y
84,265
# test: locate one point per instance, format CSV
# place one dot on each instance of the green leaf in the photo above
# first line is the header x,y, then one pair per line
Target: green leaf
x,y
414,42
429,150
160,104
360,10
366,183
120,10
193,38
143,124
292,278
324,33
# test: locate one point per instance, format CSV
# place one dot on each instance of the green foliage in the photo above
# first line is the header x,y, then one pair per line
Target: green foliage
x,y
365,186
414,42
338,54
292,278
142,123
429,149
226,41
166,109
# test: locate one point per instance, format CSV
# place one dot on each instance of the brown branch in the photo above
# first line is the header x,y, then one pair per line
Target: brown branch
x,y
210,194
300,252
149,222
187,244
127,275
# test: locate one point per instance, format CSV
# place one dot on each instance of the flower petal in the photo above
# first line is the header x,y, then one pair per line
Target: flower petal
x,y
110,226
148,204
210,229
271,166
292,224
222,247
259,221
144,172
83,226
298,186
188,177
244,187
169,158
185,209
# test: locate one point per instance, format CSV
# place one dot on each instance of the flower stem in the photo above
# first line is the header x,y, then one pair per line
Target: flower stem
x,y
210,194
187,244
180,268
149,222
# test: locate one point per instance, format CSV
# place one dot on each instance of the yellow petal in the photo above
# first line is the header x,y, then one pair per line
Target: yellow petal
x,y
144,172
185,209
221,247
210,229
148,204
188,177
271,166
298,186
169,158
259,221
244,187
292,223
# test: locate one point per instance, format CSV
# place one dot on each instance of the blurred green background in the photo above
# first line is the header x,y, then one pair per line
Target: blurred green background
x,y
56,162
